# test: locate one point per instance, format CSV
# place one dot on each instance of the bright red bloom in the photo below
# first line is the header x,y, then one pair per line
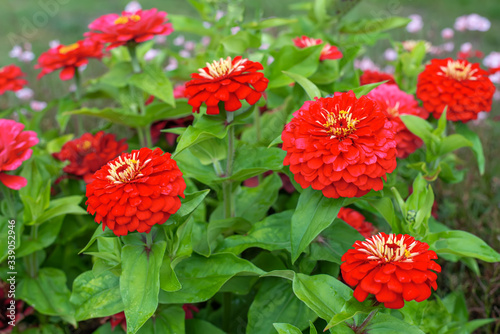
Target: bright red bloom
x,y
462,86
136,27
357,221
188,309
394,102
392,267
369,77
11,79
136,191
14,149
117,319
328,52
340,145
89,153
68,58
20,309
227,81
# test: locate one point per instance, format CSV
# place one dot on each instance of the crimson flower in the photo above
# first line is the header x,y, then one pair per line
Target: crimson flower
x,y
357,221
462,86
169,124
136,191
117,319
14,149
395,102
228,81
137,27
21,310
369,77
188,309
68,58
11,79
340,145
393,267
89,153
328,52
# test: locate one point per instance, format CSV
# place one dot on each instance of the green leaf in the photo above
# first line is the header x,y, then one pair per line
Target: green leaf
x,y
320,11
189,24
168,320
60,207
462,243
275,302
55,145
46,235
99,232
269,23
153,81
419,127
387,324
471,326
198,326
312,328
118,75
314,213
202,277
96,296
287,329
453,142
49,293
373,25
240,42
365,89
119,116
168,278
477,147
311,89
140,282
252,161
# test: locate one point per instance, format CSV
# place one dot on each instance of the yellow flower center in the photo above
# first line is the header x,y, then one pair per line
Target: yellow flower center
x,y
221,68
85,145
125,169
393,111
69,48
458,71
339,124
390,250
125,19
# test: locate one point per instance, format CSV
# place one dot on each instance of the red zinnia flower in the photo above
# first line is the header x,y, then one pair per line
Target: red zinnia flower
x,y
369,77
340,145
227,81
462,86
328,52
117,319
89,153
14,149
136,191
136,27
11,79
392,267
69,58
357,221
188,309
395,102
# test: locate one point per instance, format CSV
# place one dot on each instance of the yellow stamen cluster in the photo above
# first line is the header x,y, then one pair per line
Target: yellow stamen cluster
x,y
390,250
69,48
85,145
393,111
339,124
126,19
458,71
221,68
125,169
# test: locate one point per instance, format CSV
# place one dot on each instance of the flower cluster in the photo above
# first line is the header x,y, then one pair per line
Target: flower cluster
x,y
328,51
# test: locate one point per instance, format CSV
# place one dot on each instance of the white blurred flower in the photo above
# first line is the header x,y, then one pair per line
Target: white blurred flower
x,y
492,60
160,39
179,40
496,95
206,24
409,45
416,23
151,54
478,23
219,15
72,88
365,64
390,55
184,53
16,51
447,33
270,59
82,68
27,56
495,78
133,6
205,40
54,43
172,64
466,47
481,117
389,69
38,105
25,94
234,30
189,45
448,47
264,46
461,23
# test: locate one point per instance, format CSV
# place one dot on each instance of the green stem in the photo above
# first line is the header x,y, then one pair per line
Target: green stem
x,y
226,305
133,57
78,84
32,258
147,134
140,134
217,167
149,239
256,122
227,186
361,328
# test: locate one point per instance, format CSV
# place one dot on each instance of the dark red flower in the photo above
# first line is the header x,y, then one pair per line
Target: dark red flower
x,y
340,145
89,153
188,309
392,267
11,79
470,54
357,221
11,310
117,319
462,86
328,52
369,77
287,185
68,58
169,124
136,27
136,191
227,81
14,149
394,102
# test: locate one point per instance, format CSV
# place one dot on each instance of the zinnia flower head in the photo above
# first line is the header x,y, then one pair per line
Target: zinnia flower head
x,y
340,145
394,102
462,86
136,191
369,77
357,221
89,153
139,26
69,58
328,52
226,81
11,79
393,267
14,149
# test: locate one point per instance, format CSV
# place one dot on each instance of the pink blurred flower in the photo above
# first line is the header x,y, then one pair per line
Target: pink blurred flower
x,y
16,51
172,64
219,15
160,39
365,64
15,147
416,23
496,95
495,78
390,55
54,44
179,40
180,91
133,6
472,22
205,40
234,30
461,23
448,47
189,45
185,54
151,54
38,105
447,33
25,94
492,60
